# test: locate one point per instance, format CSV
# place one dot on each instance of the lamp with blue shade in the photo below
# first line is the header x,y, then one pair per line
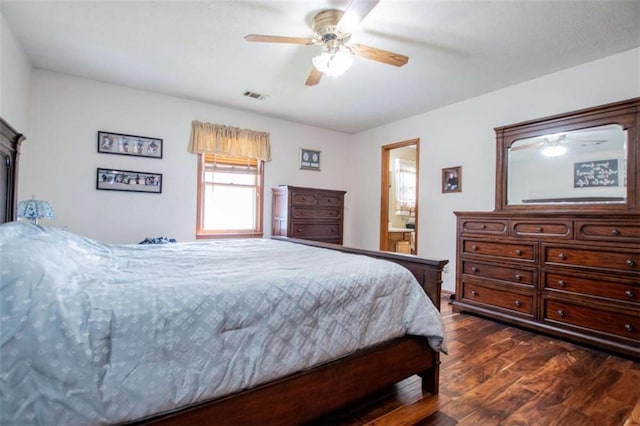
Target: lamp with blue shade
x,y
34,210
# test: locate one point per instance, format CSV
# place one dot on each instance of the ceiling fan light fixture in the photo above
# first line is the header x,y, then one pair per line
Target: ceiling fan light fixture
x,y
334,61
553,150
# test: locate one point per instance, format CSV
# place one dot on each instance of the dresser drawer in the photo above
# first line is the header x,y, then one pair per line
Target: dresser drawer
x,y
328,200
518,302
593,257
553,229
610,287
480,226
603,231
325,230
507,250
301,198
606,321
498,272
315,213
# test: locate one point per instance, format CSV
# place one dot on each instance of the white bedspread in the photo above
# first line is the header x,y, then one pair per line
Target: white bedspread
x,y
95,333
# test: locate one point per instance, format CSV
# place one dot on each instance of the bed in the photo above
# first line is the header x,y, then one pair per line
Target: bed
x,y
94,333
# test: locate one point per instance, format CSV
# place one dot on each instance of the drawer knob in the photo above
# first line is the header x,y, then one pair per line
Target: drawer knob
x,y
474,248
299,231
562,256
562,284
630,262
628,327
615,232
474,269
629,294
560,313
519,252
518,277
540,229
483,226
474,293
518,303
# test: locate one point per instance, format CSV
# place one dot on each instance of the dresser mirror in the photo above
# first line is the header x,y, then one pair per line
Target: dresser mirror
x,y
582,160
579,166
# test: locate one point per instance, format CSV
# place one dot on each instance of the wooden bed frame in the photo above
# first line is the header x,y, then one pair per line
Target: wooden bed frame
x,y
308,394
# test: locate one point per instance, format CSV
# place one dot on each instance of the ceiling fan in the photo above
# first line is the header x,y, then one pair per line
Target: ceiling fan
x,y
553,145
332,29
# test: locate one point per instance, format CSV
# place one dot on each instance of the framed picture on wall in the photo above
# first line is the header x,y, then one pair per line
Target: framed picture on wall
x,y
309,159
127,180
138,146
452,179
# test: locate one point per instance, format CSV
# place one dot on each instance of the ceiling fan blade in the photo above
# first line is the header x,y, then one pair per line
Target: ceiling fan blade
x,y
379,55
314,77
278,39
596,141
355,12
526,146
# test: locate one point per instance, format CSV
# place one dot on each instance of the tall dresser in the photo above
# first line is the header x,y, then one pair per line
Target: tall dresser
x,y
565,264
308,213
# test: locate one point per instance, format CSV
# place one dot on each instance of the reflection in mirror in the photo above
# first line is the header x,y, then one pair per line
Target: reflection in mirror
x,y
580,166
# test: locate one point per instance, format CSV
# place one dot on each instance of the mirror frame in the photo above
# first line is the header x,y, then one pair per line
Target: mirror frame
x,y
625,114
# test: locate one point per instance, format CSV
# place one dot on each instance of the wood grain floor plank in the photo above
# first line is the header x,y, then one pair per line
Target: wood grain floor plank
x,y
411,414
634,417
501,375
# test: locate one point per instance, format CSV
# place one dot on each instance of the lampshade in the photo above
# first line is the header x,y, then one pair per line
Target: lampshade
x,y
35,209
334,60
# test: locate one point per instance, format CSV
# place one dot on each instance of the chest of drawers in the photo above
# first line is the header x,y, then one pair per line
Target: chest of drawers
x,y
308,213
572,276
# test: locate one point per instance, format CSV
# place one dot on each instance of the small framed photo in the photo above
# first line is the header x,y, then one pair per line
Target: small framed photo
x,y
139,146
309,159
452,179
127,180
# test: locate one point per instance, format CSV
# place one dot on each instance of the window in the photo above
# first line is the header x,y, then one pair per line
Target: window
x,y
405,187
230,197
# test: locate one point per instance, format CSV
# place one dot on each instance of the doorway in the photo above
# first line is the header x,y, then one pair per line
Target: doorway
x,y
399,197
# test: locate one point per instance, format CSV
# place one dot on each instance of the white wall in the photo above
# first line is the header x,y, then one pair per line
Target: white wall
x,y
462,135
60,157
15,80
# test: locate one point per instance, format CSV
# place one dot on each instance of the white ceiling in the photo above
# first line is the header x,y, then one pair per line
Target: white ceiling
x,y
196,50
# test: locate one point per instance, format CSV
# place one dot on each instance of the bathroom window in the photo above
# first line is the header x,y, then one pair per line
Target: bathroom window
x,y
405,187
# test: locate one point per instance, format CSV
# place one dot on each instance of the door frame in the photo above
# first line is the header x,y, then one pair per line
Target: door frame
x,y
384,190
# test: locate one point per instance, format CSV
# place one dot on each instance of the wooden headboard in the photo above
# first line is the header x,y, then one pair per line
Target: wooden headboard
x,y
10,141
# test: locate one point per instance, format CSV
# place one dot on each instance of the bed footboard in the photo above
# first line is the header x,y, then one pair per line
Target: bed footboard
x,y
428,272
312,393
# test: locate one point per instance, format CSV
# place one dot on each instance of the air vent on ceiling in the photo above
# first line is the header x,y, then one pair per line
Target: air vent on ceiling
x,y
254,95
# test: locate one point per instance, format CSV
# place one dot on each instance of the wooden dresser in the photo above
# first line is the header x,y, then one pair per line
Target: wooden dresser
x,y
570,275
560,253
308,213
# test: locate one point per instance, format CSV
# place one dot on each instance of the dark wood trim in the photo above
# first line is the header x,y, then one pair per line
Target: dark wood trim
x,y
10,141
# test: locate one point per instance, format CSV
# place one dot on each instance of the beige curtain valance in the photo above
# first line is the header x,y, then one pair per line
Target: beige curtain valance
x,y
209,138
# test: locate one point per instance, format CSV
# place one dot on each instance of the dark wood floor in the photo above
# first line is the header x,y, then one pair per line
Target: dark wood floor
x,y
500,375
